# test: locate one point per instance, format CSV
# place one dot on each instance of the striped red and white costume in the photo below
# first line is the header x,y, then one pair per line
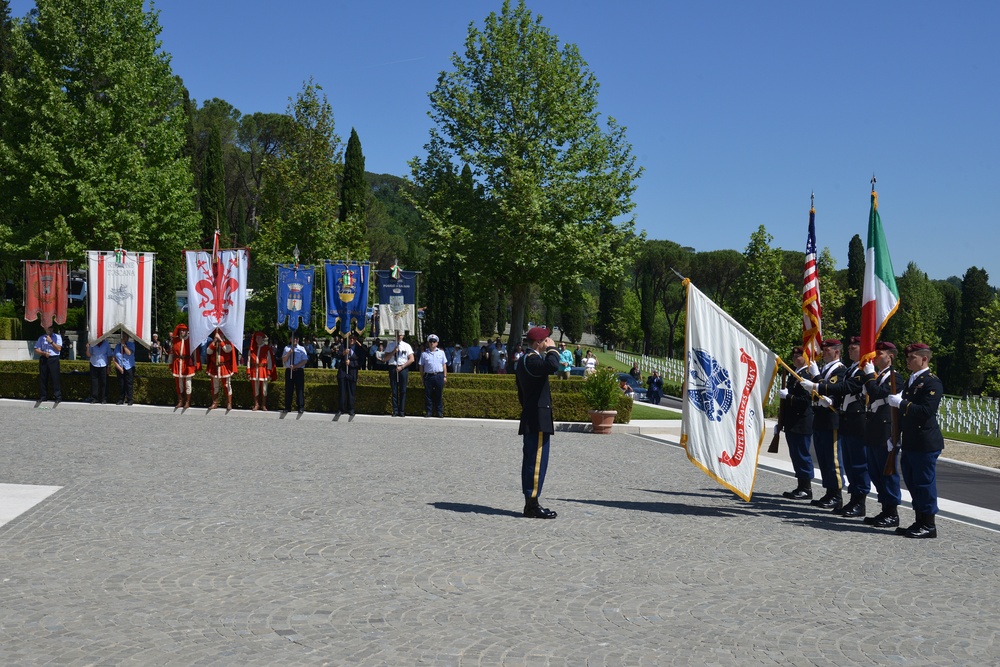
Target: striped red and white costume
x,y
221,368
260,369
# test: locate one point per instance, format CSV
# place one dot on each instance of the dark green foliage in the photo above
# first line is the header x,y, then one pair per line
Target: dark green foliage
x,y
212,193
354,189
855,285
609,314
571,312
10,328
976,295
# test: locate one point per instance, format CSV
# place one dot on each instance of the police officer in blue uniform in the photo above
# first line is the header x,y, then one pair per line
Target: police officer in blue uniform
x,y
540,360
798,425
922,441
848,394
294,358
48,348
879,380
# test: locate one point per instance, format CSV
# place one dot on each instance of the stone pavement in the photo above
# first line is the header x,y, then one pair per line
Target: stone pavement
x,y
246,539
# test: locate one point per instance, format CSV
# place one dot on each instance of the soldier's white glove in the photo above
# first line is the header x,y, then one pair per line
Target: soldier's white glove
x,y
869,368
808,385
894,399
813,368
783,393
825,401
888,445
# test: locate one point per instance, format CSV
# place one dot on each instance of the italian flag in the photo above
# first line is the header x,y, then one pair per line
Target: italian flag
x,y
881,298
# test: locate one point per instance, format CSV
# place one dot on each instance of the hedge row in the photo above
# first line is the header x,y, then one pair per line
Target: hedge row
x,y
10,328
465,395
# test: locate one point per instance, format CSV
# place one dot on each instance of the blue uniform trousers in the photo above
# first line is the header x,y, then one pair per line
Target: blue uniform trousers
x,y
828,459
855,465
397,387
433,394
534,463
886,485
920,474
798,451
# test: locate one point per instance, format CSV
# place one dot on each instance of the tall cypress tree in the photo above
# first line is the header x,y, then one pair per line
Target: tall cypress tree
x,y
354,193
212,191
976,295
856,284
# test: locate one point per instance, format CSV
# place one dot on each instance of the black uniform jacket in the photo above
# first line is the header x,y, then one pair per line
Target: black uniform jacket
x,y
878,425
346,371
798,409
826,419
918,414
848,398
533,371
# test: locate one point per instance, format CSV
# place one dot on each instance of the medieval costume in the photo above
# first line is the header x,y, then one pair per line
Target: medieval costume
x,y
260,369
221,367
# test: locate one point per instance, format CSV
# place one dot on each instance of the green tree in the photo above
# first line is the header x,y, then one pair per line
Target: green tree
x,y
715,272
920,313
976,295
571,313
300,199
212,192
659,287
832,297
522,112
855,286
946,355
764,302
93,132
610,314
987,346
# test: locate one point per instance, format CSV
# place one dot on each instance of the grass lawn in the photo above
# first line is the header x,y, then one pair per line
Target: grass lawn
x,y
967,437
643,411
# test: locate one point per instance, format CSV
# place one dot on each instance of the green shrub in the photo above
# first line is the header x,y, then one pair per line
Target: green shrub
x,y
601,390
10,328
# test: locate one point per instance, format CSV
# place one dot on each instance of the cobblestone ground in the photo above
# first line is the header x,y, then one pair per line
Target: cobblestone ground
x,y
246,539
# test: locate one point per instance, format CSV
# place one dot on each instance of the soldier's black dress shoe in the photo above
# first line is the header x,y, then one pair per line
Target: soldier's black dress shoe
x,y
902,531
921,532
829,502
852,510
538,512
884,521
798,494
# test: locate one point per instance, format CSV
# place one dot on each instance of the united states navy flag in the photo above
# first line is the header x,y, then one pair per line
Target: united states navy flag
x,y
346,295
295,288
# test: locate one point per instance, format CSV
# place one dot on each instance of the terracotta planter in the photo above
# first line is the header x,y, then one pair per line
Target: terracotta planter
x,y
602,420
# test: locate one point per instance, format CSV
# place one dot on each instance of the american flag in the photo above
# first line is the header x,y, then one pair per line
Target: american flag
x,y
812,309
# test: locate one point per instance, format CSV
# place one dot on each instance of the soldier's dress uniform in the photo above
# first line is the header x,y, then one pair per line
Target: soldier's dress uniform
x,y
826,421
261,369
184,363
848,395
878,432
922,443
536,425
798,426
221,368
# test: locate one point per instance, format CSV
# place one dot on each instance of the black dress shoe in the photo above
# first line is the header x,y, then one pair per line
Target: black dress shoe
x,y
57,402
870,520
798,494
829,502
903,531
921,532
120,403
336,417
852,510
538,512
885,521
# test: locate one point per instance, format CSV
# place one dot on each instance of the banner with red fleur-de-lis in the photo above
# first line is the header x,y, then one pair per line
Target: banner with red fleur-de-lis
x,y
217,292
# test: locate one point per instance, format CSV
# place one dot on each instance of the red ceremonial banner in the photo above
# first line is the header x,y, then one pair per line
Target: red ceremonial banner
x,y
46,291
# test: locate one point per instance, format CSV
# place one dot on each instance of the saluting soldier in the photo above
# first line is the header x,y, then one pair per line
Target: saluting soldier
x,y
825,424
798,425
848,393
922,441
540,360
878,433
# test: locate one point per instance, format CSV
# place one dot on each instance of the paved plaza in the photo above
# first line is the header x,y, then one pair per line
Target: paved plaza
x,y
251,539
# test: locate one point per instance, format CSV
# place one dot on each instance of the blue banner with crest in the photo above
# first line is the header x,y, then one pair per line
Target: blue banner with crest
x,y
346,296
295,288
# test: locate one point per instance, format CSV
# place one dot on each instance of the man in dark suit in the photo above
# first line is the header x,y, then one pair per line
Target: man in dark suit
x,y
347,377
922,441
533,370
798,427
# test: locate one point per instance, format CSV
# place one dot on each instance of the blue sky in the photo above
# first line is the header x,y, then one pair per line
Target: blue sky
x,y
736,110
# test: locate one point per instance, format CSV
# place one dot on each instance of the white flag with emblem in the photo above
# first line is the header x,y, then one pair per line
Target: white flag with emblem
x,y
727,381
120,294
217,293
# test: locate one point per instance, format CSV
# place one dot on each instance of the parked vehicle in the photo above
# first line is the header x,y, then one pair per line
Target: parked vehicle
x,y
638,391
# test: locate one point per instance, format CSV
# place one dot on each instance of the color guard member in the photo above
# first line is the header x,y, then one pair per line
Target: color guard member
x,y
540,360
798,427
922,441
878,433
825,424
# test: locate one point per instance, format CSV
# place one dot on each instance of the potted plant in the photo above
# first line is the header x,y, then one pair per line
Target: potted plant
x,y
601,392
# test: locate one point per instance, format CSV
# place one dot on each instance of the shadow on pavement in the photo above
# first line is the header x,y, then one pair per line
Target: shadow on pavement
x,y
466,508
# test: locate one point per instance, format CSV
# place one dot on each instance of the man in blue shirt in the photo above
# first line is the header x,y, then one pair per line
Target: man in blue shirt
x,y
565,361
99,353
48,349
434,371
125,367
294,360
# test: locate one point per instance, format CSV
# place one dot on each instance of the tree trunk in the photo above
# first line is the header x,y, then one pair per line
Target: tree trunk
x,y
519,298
